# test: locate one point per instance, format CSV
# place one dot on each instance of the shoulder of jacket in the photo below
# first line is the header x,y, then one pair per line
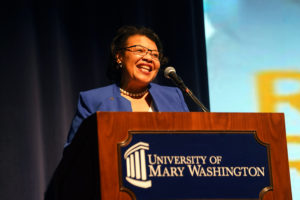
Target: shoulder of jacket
x,y
98,93
170,90
162,87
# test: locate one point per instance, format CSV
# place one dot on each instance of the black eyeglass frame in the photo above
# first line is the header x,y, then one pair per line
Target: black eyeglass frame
x,y
148,50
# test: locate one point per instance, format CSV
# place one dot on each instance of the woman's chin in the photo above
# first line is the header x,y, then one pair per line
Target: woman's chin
x,y
144,82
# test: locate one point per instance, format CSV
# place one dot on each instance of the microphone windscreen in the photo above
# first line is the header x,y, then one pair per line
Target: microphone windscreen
x,y
168,70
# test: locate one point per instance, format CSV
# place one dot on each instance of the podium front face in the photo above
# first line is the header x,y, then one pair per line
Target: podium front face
x,y
193,156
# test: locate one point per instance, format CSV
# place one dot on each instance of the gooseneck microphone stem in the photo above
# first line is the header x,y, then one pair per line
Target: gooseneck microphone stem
x,y
196,100
170,73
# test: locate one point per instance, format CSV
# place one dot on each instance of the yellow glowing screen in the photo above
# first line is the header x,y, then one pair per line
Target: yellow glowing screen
x,y
253,59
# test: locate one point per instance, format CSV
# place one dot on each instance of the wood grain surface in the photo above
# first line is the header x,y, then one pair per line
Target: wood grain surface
x,y
113,128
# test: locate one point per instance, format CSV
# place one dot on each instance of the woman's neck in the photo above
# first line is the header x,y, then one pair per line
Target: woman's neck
x,y
133,87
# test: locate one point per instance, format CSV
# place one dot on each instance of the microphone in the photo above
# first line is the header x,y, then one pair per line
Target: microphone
x,y
170,73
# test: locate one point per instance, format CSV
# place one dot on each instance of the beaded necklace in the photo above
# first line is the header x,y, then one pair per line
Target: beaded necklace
x,y
140,94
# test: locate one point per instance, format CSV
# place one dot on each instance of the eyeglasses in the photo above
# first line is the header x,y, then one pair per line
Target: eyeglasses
x,y
142,51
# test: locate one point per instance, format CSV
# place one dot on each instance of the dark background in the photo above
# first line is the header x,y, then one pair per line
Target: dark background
x,y
51,50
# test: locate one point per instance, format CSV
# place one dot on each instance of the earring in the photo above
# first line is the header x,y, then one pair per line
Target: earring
x,y
120,65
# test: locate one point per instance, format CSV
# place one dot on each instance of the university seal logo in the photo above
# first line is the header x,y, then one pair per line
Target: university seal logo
x,y
136,172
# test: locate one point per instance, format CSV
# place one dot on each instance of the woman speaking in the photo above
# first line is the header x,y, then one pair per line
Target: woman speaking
x,y
136,56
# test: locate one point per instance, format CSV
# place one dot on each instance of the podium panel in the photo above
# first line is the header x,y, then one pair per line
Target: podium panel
x,y
187,155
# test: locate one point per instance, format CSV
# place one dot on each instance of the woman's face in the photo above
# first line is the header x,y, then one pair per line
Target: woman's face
x,y
138,71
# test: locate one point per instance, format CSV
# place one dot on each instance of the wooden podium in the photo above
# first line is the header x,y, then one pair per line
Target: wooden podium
x,y
93,155
113,128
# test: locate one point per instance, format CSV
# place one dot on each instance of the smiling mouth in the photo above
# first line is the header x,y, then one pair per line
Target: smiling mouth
x,y
145,68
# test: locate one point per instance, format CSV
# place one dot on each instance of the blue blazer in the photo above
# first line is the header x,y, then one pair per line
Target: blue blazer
x,y
165,99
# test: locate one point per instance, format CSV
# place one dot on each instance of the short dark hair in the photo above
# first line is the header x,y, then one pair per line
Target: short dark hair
x,y
119,42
